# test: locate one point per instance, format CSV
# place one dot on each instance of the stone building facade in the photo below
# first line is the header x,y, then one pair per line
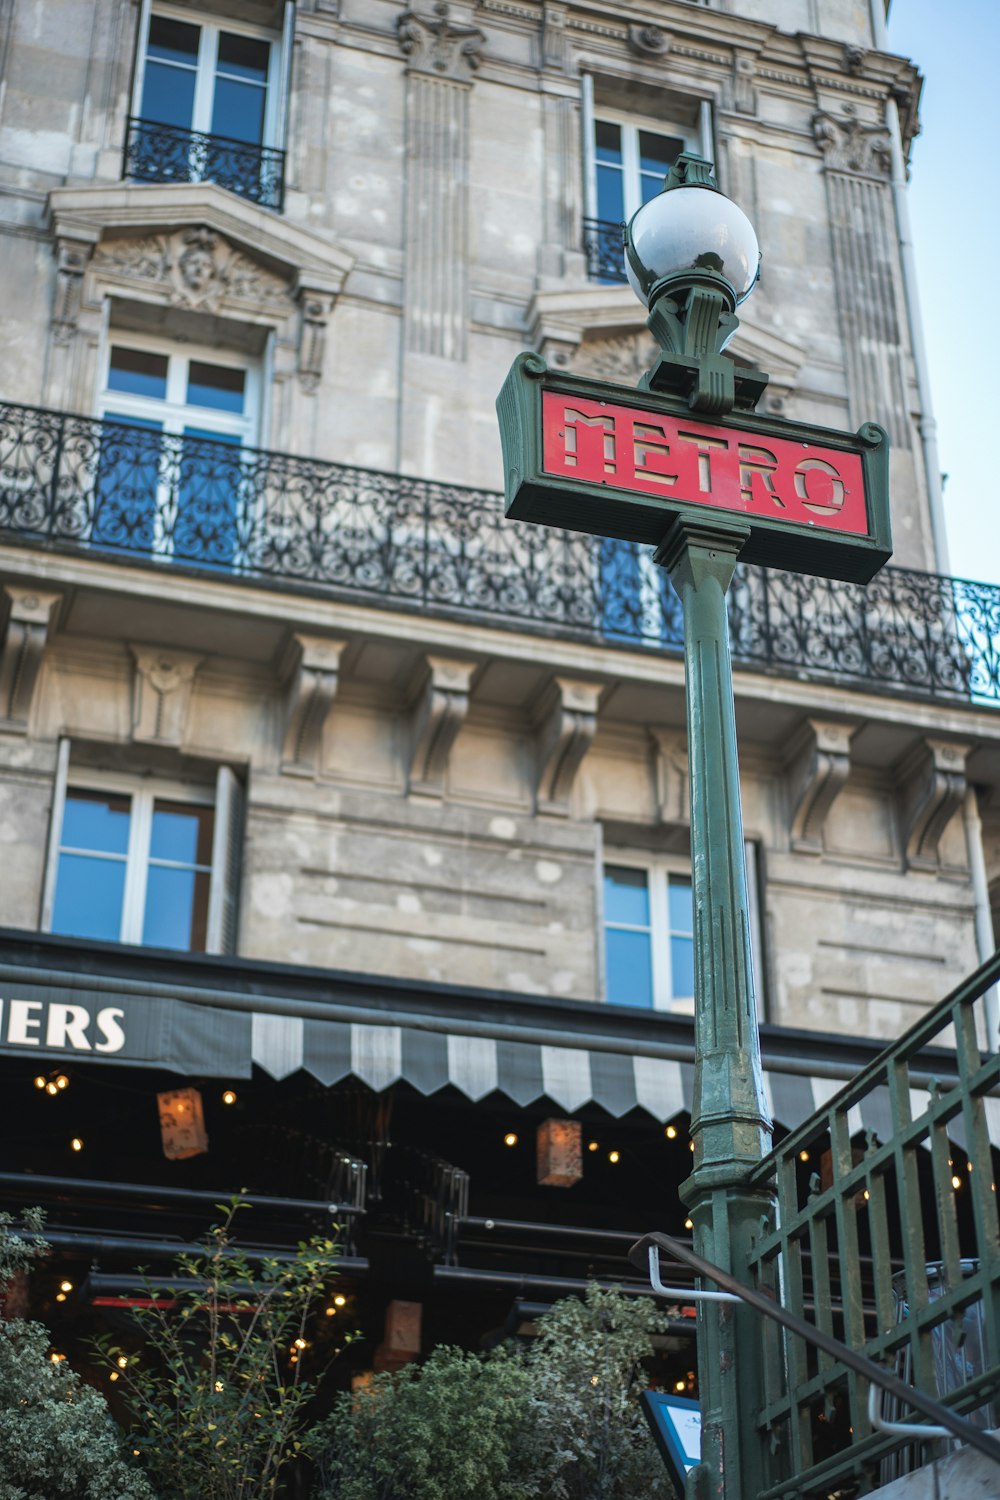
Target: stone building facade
x,y
273,262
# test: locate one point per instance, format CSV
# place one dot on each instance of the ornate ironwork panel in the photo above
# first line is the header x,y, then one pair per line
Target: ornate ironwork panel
x,y
887,1237
167,153
602,245
136,492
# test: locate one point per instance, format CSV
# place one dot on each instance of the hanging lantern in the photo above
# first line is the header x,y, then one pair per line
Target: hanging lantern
x,y
182,1124
560,1153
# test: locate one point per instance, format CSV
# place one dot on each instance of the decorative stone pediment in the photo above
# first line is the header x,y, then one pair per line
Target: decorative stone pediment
x,y
194,268
601,331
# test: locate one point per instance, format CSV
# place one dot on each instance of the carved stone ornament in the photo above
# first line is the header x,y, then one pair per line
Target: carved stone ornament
x,y
161,694
435,44
671,772
316,309
438,713
649,41
622,359
554,53
848,145
312,668
744,93
72,257
817,768
931,783
566,718
194,268
31,619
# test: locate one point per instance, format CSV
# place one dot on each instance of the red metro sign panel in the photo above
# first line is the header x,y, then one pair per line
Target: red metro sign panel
x,y
615,462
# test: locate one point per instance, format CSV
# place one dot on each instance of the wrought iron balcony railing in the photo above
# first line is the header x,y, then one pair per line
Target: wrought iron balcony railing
x,y
104,487
602,245
167,153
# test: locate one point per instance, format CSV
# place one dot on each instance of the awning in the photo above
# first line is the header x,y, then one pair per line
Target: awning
x,y
99,1003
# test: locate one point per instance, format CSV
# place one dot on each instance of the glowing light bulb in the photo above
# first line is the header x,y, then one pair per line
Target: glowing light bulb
x,y
330,1312
39,1082
62,1082
229,1096
51,1089
671,1132
593,1145
956,1182
300,1344
803,1156
76,1144
113,1375
122,1361
866,1195
614,1157
60,1296
510,1139
340,1300
65,1286
688,1223
680,1385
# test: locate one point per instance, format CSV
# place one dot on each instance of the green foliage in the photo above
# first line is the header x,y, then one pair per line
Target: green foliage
x,y
587,1377
57,1439
460,1426
218,1395
558,1422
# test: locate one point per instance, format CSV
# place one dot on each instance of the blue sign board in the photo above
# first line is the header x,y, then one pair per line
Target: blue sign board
x,y
676,1426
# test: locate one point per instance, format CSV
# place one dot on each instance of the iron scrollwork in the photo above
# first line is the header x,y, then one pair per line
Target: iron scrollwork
x,y
168,153
130,491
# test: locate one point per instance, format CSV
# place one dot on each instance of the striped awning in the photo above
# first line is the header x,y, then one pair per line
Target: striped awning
x,y
80,1019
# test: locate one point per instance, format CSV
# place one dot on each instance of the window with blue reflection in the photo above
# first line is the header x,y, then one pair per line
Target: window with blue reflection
x,y
220,387
138,372
168,87
627,937
240,88
680,907
178,877
609,168
93,862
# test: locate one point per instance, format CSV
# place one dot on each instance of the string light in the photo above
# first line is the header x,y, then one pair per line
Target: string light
x,y
593,1145
680,1385
61,1081
65,1286
39,1082
866,1195
60,1296
671,1132
301,1343
614,1157
688,1223
956,1182
122,1361
340,1300
803,1156
56,1358
510,1139
331,1312
76,1144
690,1145
229,1096
113,1375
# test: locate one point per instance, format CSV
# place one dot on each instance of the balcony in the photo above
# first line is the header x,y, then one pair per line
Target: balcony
x,y
167,153
77,485
602,245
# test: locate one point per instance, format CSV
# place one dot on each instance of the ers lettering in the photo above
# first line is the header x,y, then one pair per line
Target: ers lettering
x,y
630,449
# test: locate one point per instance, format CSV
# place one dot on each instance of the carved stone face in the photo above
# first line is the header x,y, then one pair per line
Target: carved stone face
x,y
197,268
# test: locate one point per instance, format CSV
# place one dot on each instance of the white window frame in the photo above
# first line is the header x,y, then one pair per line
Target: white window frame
x,y
174,413
658,870
144,791
697,138
276,87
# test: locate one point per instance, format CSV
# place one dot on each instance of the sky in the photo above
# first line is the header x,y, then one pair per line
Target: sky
x,y
954,198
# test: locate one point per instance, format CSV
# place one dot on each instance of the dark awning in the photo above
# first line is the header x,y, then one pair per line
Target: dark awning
x,y
62,1001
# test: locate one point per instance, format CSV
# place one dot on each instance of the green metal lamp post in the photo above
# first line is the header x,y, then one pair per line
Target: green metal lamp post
x,y
687,465
692,256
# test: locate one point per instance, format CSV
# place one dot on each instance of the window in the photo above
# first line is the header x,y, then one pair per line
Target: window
x,y
207,106
649,933
649,937
627,157
170,478
133,860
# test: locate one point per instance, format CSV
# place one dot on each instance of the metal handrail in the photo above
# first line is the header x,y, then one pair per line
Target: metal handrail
x,y
939,1414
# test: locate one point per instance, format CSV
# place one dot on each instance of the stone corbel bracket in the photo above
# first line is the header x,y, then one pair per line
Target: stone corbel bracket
x,y
316,303
438,713
162,687
566,722
816,771
32,616
670,769
931,787
311,674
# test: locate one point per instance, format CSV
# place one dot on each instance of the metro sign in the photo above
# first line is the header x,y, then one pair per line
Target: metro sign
x,y
615,462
